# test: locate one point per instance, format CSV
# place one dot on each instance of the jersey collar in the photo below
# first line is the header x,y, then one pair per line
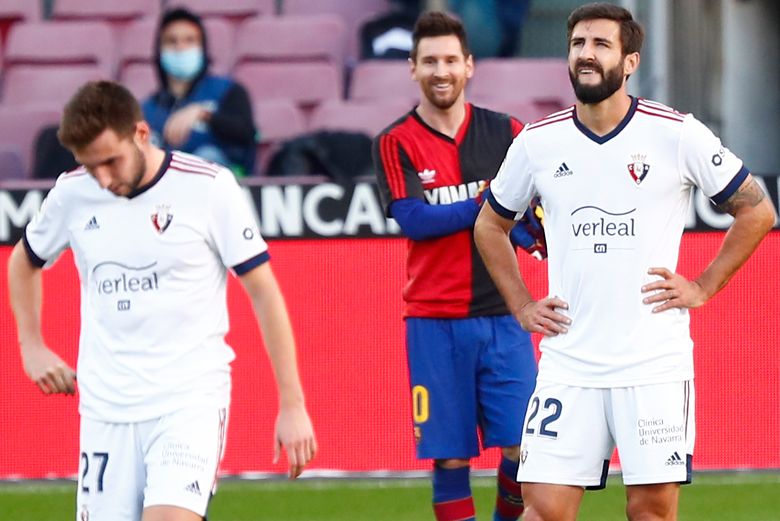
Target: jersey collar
x,y
606,137
459,136
163,168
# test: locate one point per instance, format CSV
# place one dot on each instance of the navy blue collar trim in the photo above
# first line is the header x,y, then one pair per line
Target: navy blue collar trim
x,y
163,168
606,137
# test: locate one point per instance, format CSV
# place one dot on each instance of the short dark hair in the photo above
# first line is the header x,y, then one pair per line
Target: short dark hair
x,y
437,23
97,106
631,32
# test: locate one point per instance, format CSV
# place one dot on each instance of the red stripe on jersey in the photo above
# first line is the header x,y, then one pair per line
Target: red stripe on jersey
x,y
187,170
657,106
544,122
516,126
76,172
196,165
673,118
392,163
461,134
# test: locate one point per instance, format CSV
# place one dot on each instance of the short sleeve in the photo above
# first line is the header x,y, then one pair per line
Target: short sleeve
x,y
46,236
708,164
233,226
513,187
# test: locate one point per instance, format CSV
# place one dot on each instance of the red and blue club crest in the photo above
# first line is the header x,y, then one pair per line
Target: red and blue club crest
x,y
638,168
162,218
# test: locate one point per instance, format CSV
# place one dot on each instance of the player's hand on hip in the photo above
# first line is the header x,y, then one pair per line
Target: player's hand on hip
x,y
540,316
49,372
673,291
295,433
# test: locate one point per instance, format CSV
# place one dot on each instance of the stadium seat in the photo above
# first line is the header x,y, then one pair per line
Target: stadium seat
x,y
292,38
60,44
15,11
367,117
11,162
221,41
353,13
19,127
542,80
524,110
276,121
140,79
51,85
115,11
231,10
304,83
383,80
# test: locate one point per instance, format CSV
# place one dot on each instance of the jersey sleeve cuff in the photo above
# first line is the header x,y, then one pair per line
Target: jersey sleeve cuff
x,y
250,264
498,208
34,259
722,196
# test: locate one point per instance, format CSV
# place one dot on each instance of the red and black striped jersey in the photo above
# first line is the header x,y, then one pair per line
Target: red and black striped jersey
x,y
446,275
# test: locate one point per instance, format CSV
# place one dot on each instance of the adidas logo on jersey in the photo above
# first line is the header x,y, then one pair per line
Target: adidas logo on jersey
x,y
563,171
675,459
427,176
193,487
92,224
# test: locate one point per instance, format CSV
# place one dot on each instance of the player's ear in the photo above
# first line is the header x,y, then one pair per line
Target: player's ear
x,y
412,67
142,133
469,66
630,64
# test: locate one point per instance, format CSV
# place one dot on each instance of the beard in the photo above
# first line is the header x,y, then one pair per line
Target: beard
x,y
438,101
611,81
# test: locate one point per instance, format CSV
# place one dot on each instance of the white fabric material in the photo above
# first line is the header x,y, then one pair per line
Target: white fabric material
x,y
153,285
570,432
605,230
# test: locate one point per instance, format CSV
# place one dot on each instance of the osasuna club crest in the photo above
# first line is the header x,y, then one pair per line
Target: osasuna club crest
x,y
638,168
162,218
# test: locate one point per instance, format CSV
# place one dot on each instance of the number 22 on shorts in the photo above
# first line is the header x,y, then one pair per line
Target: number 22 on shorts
x,y
551,412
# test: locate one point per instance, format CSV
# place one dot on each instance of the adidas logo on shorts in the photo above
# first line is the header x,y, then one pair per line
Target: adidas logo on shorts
x,y
193,487
675,459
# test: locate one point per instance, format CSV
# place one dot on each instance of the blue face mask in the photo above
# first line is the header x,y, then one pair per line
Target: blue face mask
x,y
182,65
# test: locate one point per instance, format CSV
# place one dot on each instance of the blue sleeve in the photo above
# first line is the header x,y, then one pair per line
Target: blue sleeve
x,y
420,221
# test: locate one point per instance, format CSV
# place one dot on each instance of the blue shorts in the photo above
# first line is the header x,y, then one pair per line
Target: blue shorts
x,y
466,374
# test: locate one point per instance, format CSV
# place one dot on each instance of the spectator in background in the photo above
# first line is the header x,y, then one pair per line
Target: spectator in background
x,y
195,111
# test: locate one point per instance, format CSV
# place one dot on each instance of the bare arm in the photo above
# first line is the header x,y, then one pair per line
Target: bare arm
x,y
294,430
49,372
491,233
754,216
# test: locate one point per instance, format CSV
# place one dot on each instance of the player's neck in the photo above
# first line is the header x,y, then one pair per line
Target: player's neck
x,y
446,121
602,118
178,87
154,160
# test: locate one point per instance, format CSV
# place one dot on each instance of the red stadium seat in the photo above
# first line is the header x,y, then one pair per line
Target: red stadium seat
x,y
383,80
352,12
543,80
117,11
140,79
19,127
304,83
222,42
524,110
50,85
61,44
292,38
232,10
15,11
367,117
276,120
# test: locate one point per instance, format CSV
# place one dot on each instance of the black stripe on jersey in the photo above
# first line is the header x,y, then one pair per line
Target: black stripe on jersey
x,y
34,259
250,264
500,210
722,196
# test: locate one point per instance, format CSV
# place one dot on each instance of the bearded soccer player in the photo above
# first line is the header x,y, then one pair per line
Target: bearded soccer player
x,y
471,365
615,175
153,235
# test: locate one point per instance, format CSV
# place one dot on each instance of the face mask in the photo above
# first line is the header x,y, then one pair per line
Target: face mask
x,y
182,65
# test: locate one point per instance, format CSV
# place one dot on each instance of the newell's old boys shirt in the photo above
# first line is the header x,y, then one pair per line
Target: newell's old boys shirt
x,y
615,206
446,275
153,270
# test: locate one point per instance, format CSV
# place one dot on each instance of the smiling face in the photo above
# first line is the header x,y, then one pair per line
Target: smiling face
x,y
442,70
117,163
597,66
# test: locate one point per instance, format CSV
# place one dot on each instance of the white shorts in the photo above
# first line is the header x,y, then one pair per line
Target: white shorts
x,y
171,460
570,434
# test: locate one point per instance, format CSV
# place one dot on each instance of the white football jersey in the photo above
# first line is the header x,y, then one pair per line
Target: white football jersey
x,y
153,277
615,206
